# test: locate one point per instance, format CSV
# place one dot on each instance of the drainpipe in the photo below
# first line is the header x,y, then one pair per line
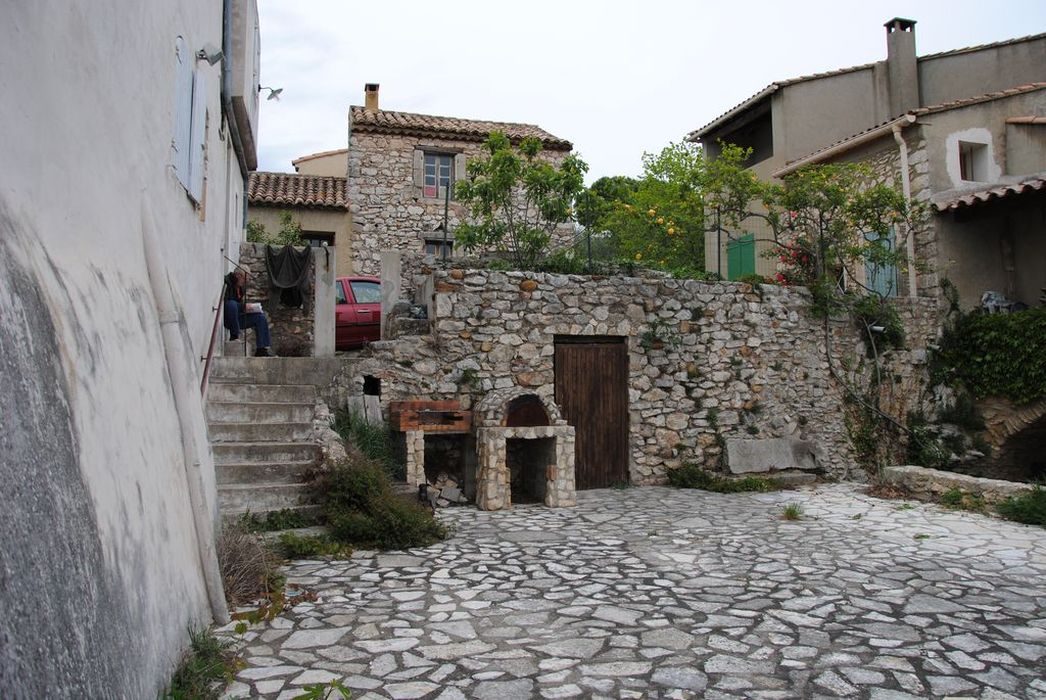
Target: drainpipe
x,y
226,90
906,188
178,355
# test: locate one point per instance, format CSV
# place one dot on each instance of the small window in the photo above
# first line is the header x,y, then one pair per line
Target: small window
x,y
437,246
340,292
366,292
439,174
318,239
973,161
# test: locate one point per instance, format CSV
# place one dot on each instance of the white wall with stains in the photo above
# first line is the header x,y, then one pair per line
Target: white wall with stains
x,y
99,562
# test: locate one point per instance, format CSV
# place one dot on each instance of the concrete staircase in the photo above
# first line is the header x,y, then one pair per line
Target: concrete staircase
x,y
260,427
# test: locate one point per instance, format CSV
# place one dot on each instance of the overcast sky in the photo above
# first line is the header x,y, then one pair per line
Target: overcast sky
x,y
615,78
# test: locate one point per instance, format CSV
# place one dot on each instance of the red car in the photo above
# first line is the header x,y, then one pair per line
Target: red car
x,y
358,311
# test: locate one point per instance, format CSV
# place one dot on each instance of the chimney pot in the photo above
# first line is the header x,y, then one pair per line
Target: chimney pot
x,y
902,65
370,96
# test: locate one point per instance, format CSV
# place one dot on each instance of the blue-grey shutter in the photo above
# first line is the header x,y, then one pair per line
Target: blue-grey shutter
x,y
197,138
183,88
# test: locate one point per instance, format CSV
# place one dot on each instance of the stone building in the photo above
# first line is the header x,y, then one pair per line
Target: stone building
x,y
314,199
400,167
979,164
792,118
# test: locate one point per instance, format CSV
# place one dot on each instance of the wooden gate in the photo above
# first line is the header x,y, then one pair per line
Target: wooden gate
x,y
592,393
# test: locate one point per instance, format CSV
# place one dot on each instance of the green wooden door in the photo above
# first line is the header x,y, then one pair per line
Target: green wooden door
x,y
740,257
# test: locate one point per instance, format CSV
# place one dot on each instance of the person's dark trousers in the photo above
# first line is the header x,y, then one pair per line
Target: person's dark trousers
x,y
235,322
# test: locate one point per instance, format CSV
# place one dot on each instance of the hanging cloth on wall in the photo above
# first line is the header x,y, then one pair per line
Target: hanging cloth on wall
x,y
289,270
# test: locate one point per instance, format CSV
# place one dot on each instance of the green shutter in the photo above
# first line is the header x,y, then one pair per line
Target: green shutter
x,y
740,257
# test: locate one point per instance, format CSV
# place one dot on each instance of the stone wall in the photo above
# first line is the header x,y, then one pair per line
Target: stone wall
x,y
388,210
734,361
293,328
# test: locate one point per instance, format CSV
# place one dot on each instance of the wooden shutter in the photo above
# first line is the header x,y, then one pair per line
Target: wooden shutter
x,y
198,135
459,167
183,88
419,168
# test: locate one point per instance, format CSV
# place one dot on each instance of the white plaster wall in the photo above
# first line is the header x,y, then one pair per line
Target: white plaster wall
x,y
88,117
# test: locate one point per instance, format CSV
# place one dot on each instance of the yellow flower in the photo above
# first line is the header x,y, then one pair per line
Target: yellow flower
x,y
662,262
652,212
660,219
671,231
628,207
639,256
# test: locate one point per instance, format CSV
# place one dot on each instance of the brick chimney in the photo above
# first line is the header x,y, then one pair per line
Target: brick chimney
x,y
902,66
370,95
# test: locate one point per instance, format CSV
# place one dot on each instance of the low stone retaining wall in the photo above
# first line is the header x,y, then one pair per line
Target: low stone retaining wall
x,y
928,484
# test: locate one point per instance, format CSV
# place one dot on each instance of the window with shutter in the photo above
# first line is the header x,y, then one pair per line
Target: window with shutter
x,y
189,143
439,174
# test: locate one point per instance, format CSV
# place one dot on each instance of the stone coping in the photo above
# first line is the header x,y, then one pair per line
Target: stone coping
x,y
928,484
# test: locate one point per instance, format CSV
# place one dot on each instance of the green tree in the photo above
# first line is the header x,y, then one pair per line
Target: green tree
x,y
515,200
289,233
596,202
661,221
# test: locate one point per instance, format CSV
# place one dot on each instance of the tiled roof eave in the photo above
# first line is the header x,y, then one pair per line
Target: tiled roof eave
x,y
955,202
451,135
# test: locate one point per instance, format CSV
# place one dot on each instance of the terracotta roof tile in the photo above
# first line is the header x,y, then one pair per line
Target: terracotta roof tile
x,y
953,202
385,121
295,190
773,87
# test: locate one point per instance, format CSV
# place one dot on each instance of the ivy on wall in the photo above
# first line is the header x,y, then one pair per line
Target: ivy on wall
x,y
997,355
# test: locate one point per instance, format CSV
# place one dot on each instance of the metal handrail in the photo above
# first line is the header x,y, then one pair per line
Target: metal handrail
x,y
214,336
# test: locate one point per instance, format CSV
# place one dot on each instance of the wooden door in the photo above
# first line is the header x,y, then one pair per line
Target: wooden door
x,y
592,392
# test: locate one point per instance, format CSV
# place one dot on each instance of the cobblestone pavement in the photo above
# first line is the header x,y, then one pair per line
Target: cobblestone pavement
x,y
655,592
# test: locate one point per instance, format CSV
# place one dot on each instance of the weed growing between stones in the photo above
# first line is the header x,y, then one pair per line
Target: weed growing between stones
x,y
294,546
325,691
691,476
792,511
1028,508
284,519
205,668
958,499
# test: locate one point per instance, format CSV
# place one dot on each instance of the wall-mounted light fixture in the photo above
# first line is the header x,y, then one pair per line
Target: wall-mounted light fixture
x,y
210,53
274,93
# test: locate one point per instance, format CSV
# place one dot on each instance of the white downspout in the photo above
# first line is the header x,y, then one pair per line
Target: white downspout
x,y
906,188
178,354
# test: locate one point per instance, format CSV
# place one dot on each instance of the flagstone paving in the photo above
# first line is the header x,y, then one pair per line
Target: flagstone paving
x,y
657,592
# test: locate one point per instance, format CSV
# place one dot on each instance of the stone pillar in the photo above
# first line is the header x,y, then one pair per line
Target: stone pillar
x,y
415,457
323,307
493,481
391,283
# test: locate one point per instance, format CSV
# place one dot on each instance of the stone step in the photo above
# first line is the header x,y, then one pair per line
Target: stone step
x,y
258,412
233,514
261,393
254,473
259,498
258,452
258,432
317,371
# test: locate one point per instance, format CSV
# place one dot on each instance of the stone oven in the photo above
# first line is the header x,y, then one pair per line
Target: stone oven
x,y
525,451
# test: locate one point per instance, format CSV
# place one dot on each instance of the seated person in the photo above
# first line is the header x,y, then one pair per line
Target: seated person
x,y
237,318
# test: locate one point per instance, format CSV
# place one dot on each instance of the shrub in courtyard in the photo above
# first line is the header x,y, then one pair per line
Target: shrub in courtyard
x,y
792,511
1028,508
361,508
374,441
249,569
691,476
